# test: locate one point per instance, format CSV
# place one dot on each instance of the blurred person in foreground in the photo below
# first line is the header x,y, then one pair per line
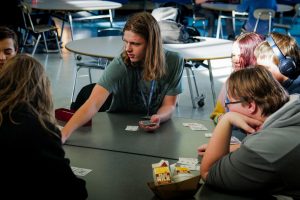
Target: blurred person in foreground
x,y
33,160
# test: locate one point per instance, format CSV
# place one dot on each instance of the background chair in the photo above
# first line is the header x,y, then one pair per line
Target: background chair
x,y
39,29
238,16
95,63
287,27
235,16
197,17
264,14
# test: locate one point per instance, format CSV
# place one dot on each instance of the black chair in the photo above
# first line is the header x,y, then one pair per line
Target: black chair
x,y
39,29
96,63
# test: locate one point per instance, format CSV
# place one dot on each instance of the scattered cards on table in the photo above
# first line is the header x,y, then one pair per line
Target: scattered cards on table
x,y
195,126
131,128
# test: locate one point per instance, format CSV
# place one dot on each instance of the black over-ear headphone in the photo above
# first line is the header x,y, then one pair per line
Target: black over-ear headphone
x,y
287,65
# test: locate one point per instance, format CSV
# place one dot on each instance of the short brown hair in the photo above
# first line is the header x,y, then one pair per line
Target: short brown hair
x,y
6,33
257,84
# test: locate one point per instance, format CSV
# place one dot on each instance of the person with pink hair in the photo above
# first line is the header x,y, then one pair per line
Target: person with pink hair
x,y
242,56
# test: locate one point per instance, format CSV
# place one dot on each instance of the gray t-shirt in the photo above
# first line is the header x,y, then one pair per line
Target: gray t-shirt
x,y
131,94
267,162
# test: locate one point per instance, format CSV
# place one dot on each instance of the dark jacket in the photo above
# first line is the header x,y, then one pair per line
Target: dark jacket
x,y
33,162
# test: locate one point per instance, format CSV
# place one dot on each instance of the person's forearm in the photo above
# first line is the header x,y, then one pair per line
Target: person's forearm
x,y
218,146
165,112
81,116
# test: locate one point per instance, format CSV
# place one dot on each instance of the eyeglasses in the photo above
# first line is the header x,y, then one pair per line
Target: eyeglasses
x,y
227,102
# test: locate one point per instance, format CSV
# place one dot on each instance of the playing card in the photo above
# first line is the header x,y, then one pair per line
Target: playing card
x,y
199,127
80,171
208,135
131,128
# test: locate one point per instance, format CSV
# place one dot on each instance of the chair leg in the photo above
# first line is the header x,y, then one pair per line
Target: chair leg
x,y
74,85
190,86
24,42
45,42
195,82
204,27
57,43
35,46
90,75
255,27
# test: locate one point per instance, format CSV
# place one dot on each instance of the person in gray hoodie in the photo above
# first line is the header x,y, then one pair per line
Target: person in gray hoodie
x,y
267,161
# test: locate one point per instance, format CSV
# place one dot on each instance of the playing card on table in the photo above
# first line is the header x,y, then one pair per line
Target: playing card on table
x,y
199,127
191,163
80,171
131,128
195,126
187,161
208,135
190,124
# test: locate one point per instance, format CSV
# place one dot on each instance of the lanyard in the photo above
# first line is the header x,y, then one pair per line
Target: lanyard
x,y
152,86
147,104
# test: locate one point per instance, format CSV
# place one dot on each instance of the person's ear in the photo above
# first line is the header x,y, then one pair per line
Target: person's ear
x,y
252,107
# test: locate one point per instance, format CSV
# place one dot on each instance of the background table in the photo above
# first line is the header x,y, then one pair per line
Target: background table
x,y
172,140
111,46
69,6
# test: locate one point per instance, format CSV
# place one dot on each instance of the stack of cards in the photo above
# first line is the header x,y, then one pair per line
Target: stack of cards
x,y
195,126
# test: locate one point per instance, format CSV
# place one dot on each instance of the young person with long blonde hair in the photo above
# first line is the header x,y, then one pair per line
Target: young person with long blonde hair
x,y
144,79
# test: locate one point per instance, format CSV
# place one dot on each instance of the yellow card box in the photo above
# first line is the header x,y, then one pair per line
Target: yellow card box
x,y
161,175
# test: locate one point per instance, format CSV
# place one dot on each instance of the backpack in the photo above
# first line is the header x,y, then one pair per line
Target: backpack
x,y
84,94
172,31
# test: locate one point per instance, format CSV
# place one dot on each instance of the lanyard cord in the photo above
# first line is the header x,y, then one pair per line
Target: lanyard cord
x,y
147,104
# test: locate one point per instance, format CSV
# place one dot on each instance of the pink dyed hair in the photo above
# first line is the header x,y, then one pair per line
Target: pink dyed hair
x,y
247,43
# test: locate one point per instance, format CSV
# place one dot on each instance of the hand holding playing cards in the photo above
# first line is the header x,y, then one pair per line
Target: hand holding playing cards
x,y
150,125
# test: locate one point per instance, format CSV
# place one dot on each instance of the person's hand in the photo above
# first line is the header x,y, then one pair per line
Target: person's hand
x,y
244,122
155,124
202,149
64,136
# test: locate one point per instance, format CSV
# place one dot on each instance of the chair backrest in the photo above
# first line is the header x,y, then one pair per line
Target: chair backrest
x,y
26,14
263,14
238,15
297,13
297,10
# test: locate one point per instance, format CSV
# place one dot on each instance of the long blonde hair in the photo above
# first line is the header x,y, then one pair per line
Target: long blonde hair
x,y
145,25
23,81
